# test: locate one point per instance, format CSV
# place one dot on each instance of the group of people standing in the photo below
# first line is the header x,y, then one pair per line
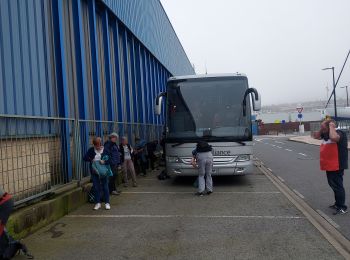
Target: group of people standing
x,y
115,156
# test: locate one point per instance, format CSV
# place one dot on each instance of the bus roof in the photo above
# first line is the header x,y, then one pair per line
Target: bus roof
x,y
202,76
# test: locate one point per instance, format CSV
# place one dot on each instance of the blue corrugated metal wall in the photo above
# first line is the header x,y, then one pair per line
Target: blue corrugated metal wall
x,y
149,22
88,59
27,85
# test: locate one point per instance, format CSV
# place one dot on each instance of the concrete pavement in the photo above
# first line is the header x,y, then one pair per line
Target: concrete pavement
x,y
245,218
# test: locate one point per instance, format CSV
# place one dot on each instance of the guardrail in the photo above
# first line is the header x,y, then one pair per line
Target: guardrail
x,y
41,154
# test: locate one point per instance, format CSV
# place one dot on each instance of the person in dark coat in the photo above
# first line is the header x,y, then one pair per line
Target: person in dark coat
x,y
112,150
95,154
151,149
140,155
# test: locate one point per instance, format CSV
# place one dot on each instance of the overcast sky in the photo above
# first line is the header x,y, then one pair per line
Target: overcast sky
x,y
281,45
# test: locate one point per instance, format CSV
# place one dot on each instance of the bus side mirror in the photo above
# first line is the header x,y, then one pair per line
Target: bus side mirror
x,y
256,100
158,106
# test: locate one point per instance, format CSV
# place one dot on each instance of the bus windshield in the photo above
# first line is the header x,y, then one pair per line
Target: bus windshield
x,y
209,108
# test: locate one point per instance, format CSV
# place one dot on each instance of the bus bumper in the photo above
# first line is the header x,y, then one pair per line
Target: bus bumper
x,y
239,168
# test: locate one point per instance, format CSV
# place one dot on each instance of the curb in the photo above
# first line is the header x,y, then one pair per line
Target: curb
x,y
27,220
305,142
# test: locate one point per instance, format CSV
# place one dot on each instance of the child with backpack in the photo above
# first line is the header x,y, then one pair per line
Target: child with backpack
x,y
203,160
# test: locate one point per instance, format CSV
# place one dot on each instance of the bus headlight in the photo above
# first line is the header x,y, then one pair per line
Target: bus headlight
x,y
243,158
172,159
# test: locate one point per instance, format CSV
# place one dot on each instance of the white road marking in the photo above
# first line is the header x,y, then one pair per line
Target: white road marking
x,y
299,194
302,154
289,150
279,147
185,216
191,192
273,145
330,221
279,142
281,179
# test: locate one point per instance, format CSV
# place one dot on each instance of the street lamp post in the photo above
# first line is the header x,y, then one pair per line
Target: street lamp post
x,y
347,95
335,98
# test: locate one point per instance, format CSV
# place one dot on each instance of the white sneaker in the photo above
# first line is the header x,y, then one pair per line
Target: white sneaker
x,y
108,206
97,206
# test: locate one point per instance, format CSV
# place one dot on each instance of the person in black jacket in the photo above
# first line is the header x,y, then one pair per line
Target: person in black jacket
x,y
112,150
151,149
127,154
203,160
140,152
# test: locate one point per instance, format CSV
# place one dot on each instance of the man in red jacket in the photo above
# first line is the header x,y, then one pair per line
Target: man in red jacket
x,y
6,205
334,160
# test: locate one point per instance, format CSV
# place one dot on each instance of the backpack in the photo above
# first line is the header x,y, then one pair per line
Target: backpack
x,y
9,247
163,176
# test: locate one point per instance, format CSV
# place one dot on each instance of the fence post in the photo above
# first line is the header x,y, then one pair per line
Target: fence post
x,y
77,150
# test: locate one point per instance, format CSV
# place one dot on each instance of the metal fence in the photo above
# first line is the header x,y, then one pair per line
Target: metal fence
x,y
41,154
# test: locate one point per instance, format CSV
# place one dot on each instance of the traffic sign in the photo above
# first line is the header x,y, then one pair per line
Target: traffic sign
x,y
300,115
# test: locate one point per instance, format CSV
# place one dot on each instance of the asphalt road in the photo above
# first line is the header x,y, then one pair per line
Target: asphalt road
x,y
298,165
245,218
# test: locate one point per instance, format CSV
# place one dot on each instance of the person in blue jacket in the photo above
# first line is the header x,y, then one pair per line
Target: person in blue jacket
x,y
111,148
140,155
